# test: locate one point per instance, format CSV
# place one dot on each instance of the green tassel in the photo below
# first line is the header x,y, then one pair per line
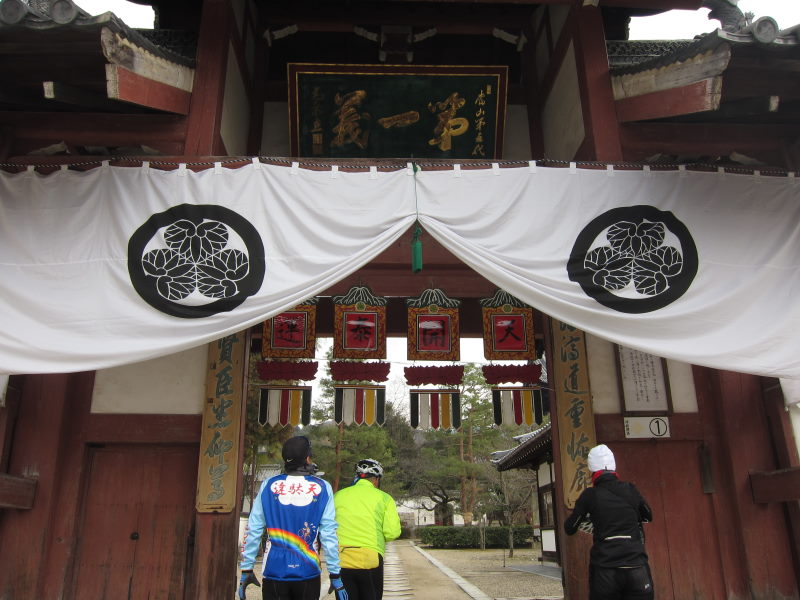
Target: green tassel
x,y
416,250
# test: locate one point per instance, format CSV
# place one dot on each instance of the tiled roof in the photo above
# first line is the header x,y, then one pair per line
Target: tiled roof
x,y
531,446
627,57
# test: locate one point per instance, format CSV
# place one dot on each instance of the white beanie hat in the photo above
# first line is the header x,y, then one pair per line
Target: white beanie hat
x,y
601,459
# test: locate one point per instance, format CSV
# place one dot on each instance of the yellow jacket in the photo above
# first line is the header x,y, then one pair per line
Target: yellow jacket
x,y
367,516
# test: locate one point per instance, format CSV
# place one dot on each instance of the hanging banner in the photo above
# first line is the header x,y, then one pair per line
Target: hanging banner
x,y
291,334
517,406
435,409
140,263
359,405
433,327
289,405
359,324
222,413
507,328
573,403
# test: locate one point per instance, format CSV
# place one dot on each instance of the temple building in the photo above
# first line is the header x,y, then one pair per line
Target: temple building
x,y
244,158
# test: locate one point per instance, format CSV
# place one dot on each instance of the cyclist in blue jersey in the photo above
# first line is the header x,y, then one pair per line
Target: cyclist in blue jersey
x,y
296,512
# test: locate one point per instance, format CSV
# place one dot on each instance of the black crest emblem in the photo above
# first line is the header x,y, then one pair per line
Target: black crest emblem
x,y
634,259
195,261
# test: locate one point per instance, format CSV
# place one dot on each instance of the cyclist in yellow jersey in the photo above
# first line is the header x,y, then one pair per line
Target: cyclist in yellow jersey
x,y
367,519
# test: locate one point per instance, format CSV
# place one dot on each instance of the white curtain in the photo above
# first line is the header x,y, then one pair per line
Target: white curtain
x,y
68,303
117,265
741,312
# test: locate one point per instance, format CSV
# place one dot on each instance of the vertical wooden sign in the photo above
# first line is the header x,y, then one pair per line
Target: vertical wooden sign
x,y
574,407
219,439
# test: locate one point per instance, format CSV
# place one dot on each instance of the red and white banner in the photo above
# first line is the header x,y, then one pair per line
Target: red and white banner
x,y
435,409
290,405
360,405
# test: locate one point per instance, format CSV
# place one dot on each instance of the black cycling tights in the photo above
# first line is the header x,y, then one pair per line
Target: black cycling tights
x,y
364,584
307,589
620,584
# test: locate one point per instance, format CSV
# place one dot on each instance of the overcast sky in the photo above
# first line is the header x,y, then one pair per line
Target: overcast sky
x,y
676,24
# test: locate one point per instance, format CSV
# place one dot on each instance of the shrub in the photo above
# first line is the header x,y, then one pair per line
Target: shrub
x,y
469,537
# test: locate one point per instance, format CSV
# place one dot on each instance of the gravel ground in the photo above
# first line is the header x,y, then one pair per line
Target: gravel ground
x,y
485,569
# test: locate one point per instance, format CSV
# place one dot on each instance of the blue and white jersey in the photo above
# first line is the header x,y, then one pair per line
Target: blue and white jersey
x,y
297,514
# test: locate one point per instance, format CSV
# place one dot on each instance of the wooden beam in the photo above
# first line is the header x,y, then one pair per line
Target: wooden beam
x,y
123,84
782,485
766,142
75,96
693,98
205,112
597,99
16,492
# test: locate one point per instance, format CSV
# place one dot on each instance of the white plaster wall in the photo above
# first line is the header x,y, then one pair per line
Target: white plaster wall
x,y
275,132
602,375
562,117
516,138
548,540
543,475
235,109
173,384
681,386
605,386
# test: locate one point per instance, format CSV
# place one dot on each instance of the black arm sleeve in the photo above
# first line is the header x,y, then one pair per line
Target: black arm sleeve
x,y
578,513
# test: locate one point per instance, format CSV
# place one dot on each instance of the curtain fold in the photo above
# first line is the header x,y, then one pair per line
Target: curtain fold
x,y
698,267
118,265
90,262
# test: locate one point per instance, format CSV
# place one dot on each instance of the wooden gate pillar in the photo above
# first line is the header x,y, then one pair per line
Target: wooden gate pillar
x,y
219,477
573,436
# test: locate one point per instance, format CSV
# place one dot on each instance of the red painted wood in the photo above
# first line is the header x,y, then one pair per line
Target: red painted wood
x,y
688,99
8,417
684,556
41,440
16,492
133,88
782,485
753,537
37,129
134,536
211,579
597,100
683,426
142,429
786,454
205,110
763,141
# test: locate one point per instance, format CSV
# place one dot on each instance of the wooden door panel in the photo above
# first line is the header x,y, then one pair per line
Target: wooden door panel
x,y
165,525
138,512
105,554
682,543
639,464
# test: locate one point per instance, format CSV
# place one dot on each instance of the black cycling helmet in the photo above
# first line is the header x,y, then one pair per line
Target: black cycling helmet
x,y
368,467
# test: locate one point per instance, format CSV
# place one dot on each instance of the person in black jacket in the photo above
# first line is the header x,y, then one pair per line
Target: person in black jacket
x,y
613,511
